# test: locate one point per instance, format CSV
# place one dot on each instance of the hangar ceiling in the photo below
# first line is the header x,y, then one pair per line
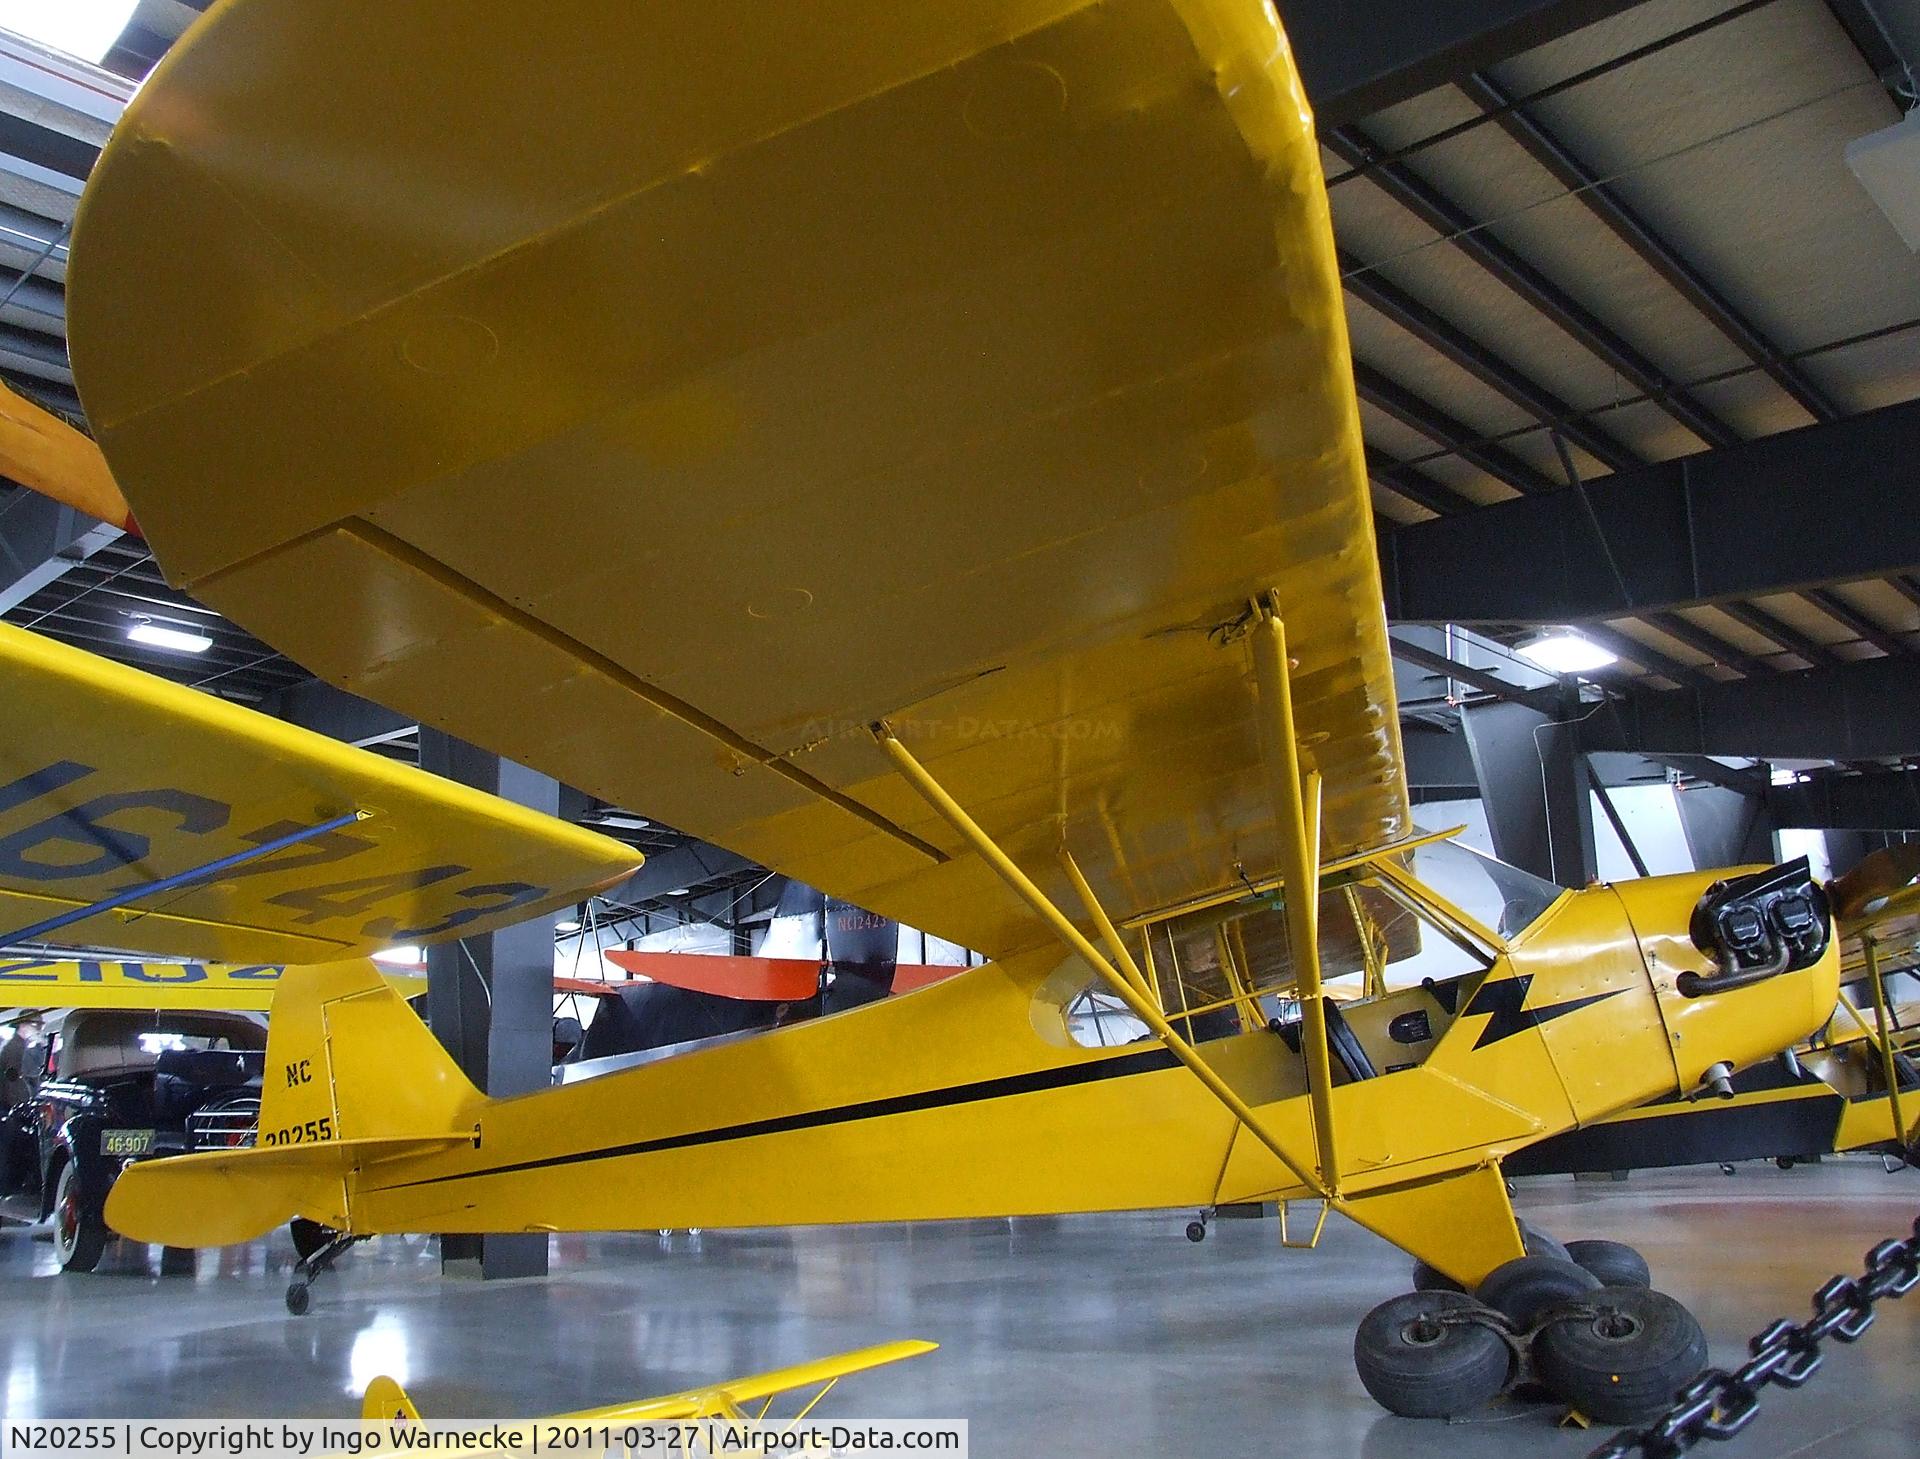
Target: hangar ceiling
x,y
1635,352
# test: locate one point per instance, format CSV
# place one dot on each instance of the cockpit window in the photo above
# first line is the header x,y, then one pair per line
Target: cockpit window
x,y
1228,968
1502,897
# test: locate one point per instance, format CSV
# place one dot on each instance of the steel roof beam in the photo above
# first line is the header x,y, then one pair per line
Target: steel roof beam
x,y
1816,655
1359,56
1782,514
1455,436
1877,47
1629,648
1414,484
1606,204
1453,343
1484,680
1848,616
1471,236
1882,800
1864,710
41,541
1700,640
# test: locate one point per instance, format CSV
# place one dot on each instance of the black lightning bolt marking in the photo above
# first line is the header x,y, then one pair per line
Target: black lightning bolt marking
x,y
1506,1001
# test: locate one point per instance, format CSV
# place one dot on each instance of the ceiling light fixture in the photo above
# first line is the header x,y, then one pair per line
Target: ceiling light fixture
x,y
87,29
401,957
1566,652
178,640
567,926
1887,163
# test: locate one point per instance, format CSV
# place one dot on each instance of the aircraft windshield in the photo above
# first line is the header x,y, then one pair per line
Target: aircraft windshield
x,y
1503,897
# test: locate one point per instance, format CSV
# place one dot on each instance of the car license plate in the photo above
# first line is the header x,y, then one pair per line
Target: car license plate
x,y
126,1142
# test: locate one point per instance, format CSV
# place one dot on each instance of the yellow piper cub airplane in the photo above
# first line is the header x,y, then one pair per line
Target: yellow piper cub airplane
x,y
385,1401
981,369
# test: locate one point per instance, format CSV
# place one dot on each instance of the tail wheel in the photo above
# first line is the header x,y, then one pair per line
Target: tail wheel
x,y
79,1235
1614,1262
1425,1355
1623,1356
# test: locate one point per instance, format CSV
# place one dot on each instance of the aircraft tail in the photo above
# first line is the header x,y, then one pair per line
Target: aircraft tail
x,y
352,1077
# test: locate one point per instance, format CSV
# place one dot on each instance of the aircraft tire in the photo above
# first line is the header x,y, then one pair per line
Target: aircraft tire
x,y
299,1299
1614,1262
1417,1366
1623,1356
1538,1243
1523,1289
1431,1279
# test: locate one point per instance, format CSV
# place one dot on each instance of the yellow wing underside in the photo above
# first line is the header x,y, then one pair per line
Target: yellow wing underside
x,y
969,366
110,778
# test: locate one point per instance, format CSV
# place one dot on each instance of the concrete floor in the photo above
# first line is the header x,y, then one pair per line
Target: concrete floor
x,y
1095,1336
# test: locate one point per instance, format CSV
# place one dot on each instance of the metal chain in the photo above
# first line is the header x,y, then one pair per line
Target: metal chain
x,y
1719,1404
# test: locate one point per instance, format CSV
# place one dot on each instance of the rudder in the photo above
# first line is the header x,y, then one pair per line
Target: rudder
x,y
351,1075
348,1060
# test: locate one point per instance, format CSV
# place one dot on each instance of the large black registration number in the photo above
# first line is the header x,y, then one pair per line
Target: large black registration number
x,y
125,1143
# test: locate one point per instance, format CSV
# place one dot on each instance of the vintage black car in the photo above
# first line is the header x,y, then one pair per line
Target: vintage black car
x,y
118,1086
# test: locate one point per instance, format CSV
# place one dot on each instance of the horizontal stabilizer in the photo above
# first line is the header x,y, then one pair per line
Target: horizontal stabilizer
x,y
353,1079
227,1196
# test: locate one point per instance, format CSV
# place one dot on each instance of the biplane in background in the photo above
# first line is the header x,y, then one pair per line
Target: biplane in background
x,y
819,955
975,385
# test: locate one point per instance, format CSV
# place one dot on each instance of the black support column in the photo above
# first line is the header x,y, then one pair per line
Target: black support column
x,y
1724,827
1534,786
490,999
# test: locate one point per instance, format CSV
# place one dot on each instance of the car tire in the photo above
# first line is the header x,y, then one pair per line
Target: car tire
x,y
1625,1361
1523,1289
79,1235
1614,1262
1418,1367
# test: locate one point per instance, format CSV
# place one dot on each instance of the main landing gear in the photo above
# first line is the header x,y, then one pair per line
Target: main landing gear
x,y
1581,1321
319,1247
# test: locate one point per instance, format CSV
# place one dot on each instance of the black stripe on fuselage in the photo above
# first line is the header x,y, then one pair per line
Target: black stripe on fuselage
x,y
1147,1061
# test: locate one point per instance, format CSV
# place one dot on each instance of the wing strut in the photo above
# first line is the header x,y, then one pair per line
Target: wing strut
x,y
1124,985
1889,1066
1296,808
178,879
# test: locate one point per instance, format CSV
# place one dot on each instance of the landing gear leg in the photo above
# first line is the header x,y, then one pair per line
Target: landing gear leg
x,y
319,1249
